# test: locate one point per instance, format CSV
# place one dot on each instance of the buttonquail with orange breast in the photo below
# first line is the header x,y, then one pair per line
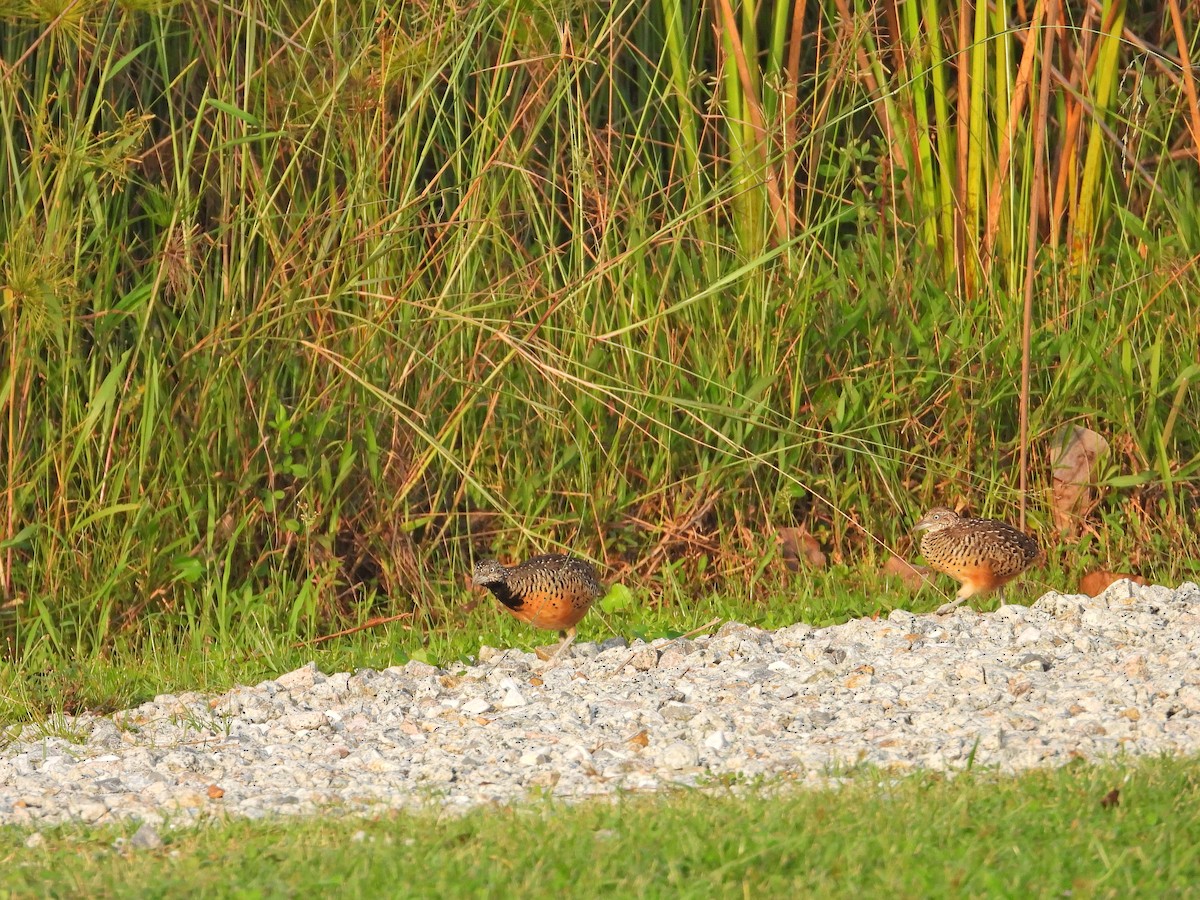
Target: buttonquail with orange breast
x,y
981,554
553,592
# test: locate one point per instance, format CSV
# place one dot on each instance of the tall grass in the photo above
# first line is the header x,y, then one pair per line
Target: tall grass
x,y
306,304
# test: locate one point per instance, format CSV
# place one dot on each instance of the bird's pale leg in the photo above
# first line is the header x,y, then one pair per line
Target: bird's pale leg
x,y
568,637
946,608
963,594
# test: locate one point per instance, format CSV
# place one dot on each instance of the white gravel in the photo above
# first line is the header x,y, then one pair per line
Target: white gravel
x,y
1071,676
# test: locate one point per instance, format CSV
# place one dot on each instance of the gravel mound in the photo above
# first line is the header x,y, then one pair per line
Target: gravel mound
x,y
1070,676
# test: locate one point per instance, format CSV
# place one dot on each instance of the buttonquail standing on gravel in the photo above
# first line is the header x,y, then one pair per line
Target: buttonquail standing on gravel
x,y
553,592
982,554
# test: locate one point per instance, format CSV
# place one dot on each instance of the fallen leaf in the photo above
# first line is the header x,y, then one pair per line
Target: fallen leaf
x,y
912,576
1096,583
1074,458
800,547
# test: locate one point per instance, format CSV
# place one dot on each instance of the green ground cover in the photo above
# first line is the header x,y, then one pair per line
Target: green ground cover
x,y
131,673
306,306
1109,831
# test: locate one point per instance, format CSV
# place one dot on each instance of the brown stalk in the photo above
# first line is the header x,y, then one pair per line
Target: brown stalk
x,y
1189,83
771,180
865,73
1094,48
1017,106
789,109
1078,106
907,105
1066,166
899,59
864,64
1067,162
963,64
16,429
1039,181
874,89
10,71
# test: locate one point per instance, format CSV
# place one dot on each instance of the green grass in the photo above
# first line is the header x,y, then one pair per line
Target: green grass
x,y
133,672
305,308
1044,834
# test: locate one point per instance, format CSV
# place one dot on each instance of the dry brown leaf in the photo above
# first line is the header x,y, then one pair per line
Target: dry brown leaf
x,y
1074,459
912,576
800,547
1095,583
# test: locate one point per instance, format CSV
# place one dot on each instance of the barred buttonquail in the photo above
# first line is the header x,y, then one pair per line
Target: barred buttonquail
x,y
982,554
553,591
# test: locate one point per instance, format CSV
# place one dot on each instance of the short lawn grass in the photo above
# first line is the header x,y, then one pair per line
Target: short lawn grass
x,y
1120,830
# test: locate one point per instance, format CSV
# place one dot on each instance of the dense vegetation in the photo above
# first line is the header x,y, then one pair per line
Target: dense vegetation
x,y
305,304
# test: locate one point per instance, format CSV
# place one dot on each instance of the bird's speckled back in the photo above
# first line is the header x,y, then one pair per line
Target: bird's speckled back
x,y
951,540
554,573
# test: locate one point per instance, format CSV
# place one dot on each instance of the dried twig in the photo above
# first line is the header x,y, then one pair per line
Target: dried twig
x,y
370,623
